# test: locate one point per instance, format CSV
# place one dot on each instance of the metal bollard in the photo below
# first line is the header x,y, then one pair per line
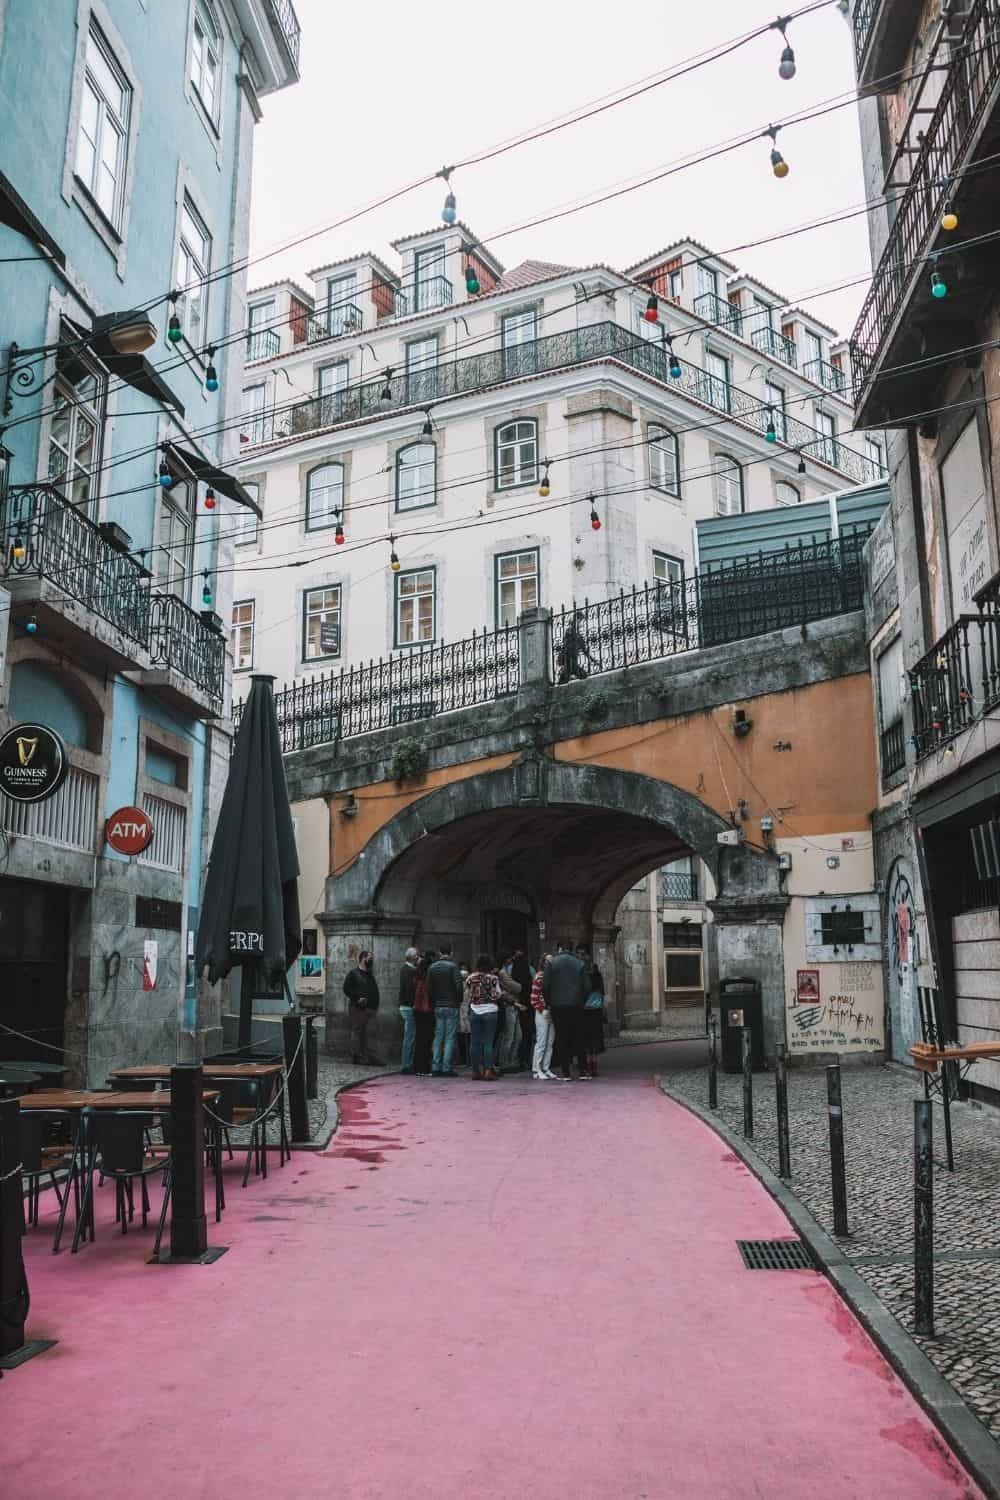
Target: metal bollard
x,y
747,1041
13,1282
312,1059
713,1066
838,1176
923,1218
295,1072
188,1229
781,1100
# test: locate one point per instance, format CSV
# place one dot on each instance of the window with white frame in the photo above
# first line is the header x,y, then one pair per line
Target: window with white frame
x,y
175,543
708,281
102,144
241,635
332,378
516,454
664,459
421,369
516,584
718,392
667,569
785,493
341,311
763,313
76,429
194,262
826,448
321,622
728,484
874,458
252,425
416,593
814,346
519,342
676,284
245,521
647,330
416,467
206,60
669,605
324,496
263,339
430,285
775,398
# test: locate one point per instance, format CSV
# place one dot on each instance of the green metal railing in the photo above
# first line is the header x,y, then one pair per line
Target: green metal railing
x,y
826,375
776,345
717,310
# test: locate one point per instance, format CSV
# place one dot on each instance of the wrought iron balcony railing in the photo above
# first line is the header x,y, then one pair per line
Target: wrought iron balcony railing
x,y
717,310
335,322
263,343
592,342
283,12
892,749
43,536
865,12
947,684
969,85
400,304
776,345
678,885
181,641
825,374
433,291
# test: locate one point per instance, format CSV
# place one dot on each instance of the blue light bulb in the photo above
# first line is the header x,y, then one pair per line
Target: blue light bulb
x,y
675,369
32,626
450,211
939,288
211,379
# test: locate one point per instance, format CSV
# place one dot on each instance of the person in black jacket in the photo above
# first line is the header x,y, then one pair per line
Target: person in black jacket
x,y
361,989
407,990
444,984
564,986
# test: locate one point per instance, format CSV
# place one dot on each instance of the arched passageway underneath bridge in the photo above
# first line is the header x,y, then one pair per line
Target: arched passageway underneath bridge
x,y
540,852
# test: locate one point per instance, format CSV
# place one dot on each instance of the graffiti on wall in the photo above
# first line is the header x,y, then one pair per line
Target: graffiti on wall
x,y
837,1008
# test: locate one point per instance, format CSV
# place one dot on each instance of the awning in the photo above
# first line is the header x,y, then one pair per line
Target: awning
x,y
16,214
225,483
135,370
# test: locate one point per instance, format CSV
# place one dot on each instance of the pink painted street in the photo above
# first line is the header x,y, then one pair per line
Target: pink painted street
x,y
492,1289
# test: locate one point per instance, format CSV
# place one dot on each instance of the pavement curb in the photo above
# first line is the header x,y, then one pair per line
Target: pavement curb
x,y
957,1423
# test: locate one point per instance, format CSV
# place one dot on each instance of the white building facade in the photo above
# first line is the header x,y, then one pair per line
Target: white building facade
x,y
509,439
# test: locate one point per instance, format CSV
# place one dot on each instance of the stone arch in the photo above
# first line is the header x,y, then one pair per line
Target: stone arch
x,y
61,698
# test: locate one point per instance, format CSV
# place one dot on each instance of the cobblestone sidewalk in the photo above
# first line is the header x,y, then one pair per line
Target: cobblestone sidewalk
x,y
878,1130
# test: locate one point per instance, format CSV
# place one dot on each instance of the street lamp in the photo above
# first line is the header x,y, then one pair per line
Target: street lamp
x,y
125,334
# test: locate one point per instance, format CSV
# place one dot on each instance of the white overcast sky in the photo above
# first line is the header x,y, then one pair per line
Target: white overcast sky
x,y
391,92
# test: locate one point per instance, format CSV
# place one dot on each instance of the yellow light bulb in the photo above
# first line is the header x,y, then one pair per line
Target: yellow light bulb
x,y
543,489
781,168
949,220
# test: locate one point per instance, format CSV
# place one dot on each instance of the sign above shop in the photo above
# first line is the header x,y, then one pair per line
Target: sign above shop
x,y
33,763
129,830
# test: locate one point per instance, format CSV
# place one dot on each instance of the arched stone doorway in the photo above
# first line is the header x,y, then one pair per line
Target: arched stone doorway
x,y
564,843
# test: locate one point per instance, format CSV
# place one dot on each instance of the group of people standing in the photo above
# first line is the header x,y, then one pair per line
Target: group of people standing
x,y
501,1015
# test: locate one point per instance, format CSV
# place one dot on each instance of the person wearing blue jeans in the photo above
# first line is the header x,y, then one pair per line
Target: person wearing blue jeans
x,y
444,987
482,995
407,990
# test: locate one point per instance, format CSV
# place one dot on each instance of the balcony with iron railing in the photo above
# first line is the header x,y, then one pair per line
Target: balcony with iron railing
x,y
828,376
262,343
892,749
187,654
775,345
344,318
900,319
957,683
286,24
883,31
717,310
557,351
431,291
678,885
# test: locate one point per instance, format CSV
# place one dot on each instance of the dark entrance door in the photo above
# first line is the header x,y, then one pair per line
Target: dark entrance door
x,y
502,930
34,922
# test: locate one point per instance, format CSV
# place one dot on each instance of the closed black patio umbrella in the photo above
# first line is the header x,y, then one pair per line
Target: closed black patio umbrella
x,y
250,903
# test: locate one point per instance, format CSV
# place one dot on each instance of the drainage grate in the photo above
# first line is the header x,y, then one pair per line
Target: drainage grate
x,y
775,1255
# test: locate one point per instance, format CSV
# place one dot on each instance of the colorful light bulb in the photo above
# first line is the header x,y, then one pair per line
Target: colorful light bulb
x,y
595,520
652,313
939,287
338,535
174,330
210,498
779,165
166,478
949,219
32,626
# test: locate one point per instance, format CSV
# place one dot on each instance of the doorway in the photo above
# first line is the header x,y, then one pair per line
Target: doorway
x,y
34,927
501,930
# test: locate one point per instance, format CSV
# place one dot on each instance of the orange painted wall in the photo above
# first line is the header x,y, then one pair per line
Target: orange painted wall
x,y
825,783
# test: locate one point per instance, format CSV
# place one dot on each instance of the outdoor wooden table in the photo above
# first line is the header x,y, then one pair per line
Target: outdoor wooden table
x,y
928,1059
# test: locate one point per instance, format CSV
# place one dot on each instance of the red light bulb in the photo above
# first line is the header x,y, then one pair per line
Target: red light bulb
x,y
652,313
338,536
595,521
209,499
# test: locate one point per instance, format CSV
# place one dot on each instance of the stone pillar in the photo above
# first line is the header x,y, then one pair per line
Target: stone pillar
x,y
604,941
387,937
749,945
536,657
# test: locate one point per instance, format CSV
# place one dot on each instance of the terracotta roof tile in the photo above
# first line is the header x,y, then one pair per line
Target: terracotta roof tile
x,y
530,271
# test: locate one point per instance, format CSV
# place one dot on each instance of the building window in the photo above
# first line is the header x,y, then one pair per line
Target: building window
x,y
708,281
101,148
341,314
785,493
332,378
676,285
728,480
516,585
775,397
321,623
415,607
842,928
206,60
78,398
416,468
874,458
667,569
827,448
763,313
263,340
814,347
515,454
519,342
430,286
175,550
664,460
421,369
245,522
324,496
194,261
717,394
241,635
892,738
252,426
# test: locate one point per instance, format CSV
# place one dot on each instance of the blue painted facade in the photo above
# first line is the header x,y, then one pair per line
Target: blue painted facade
x,y
177,89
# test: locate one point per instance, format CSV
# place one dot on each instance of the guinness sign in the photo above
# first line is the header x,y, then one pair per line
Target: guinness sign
x,y
33,763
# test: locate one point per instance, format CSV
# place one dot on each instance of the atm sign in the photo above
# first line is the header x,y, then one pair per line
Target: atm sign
x,y
129,830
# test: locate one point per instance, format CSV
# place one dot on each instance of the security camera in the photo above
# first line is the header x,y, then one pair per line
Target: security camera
x,y
731,837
